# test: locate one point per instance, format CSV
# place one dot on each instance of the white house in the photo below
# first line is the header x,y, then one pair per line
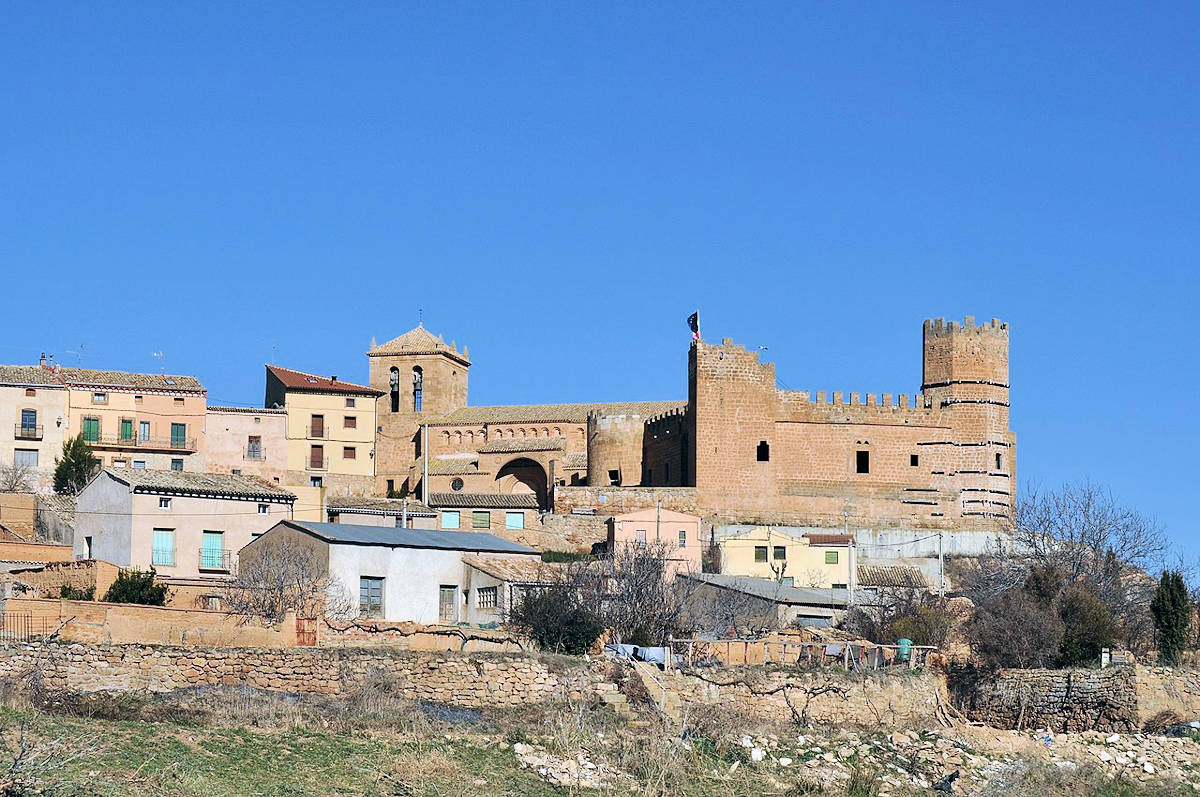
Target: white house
x,y
397,574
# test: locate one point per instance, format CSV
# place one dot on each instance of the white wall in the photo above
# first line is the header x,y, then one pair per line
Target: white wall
x,y
412,577
104,512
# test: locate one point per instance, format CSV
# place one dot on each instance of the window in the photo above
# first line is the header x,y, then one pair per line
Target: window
x,y
456,485
862,461
126,428
349,403
177,464
30,392
254,449
317,427
137,399
26,456
788,581
763,452
640,536
143,430
91,429
418,379
394,388
349,452
999,462
350,422
178,435
837,586
316,457
316,481
683,538
236,471
481,519
760,553
118,463
163,551
178,402
164,503
779,553
370,596
831,557
485,597
264,509
913,460
213,555
450,520
614,478
28,419
139,464
514,520
391,487
87,547
99,398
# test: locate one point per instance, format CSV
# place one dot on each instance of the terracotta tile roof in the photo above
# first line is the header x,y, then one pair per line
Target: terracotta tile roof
x,y
27,375
88,377
516,570
419,341
386,506
815,538
446,466
550,413
891,576
522,444
484,500
61,505
215,484
249,410
299,380
575,461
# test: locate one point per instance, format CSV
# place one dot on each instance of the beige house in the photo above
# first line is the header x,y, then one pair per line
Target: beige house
x,y
330,430
493,584
503,514
184,525
813,561
397,513
33,422
676,532
247,441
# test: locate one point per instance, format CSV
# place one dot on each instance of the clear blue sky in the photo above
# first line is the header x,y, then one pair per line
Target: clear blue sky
x,y
558,186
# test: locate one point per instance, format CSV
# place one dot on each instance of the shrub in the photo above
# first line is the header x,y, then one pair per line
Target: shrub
x,y
74,593
137,586
1172,612
1014,629
1087,627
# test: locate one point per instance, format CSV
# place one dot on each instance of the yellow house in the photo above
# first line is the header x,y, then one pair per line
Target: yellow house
x,y
818,561
330,430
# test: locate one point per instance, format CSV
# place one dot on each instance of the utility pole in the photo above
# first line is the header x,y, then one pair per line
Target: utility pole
x,y
404,514
658,521
941,567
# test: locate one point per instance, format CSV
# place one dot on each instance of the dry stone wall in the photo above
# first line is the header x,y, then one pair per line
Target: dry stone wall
x,y
463,680
1058,700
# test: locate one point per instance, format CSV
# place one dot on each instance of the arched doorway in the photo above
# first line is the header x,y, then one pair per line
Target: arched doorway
x,y
524,475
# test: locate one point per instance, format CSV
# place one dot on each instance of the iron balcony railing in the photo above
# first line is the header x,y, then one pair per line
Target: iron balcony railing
x,y
216,559
162,557
187,444
23,432
255,453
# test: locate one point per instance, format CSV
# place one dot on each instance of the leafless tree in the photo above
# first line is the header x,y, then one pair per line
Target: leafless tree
x,y
713,610
15,478
287,578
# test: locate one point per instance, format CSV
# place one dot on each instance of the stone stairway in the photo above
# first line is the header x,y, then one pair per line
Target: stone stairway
x,y
666,699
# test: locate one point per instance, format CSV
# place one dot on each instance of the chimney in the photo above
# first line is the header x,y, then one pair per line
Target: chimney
x,y
333,378
42,360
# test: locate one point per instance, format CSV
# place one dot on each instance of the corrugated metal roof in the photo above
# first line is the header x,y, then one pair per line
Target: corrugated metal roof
x,y
408,538
771,590
903,576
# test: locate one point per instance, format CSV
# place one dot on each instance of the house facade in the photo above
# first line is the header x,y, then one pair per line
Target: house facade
x,y
330,430
677,533
247,441
393,574
396,513
184,525
492,585
33,411
814,561
502,514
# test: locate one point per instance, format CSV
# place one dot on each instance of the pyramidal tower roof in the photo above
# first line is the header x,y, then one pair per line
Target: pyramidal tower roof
x,y
419,340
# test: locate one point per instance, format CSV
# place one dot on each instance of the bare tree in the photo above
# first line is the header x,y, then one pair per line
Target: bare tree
x,y
15,478
288,577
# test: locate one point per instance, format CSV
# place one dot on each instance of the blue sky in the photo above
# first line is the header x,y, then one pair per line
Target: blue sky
x,y
558,185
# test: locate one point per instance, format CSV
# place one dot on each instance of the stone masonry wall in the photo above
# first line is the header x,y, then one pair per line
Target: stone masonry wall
x,y
1058,700
462,680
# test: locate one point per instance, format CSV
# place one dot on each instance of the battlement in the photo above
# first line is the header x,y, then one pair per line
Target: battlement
x,y
940,326
887,401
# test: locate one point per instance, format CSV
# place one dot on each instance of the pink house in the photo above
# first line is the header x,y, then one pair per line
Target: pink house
x,y
654,526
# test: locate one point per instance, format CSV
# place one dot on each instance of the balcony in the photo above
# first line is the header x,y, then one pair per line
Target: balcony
x,y
216,559
22,432
255,453
162,557
182,445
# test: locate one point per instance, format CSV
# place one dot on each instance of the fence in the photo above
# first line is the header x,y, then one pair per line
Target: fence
x,y
22,626
848,655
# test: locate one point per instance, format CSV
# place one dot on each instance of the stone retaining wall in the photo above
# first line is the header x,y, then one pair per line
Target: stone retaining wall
x,y
1171,689
1058,700
474,681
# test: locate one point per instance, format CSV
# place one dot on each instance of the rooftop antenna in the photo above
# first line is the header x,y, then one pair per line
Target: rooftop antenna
x,y
78,355
158,355
420,317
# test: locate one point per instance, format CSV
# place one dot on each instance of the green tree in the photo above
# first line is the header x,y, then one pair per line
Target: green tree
x,y
137,586
1172,612
1087,626
75,467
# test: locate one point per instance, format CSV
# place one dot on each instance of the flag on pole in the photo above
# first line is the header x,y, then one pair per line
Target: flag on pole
x,y
693,323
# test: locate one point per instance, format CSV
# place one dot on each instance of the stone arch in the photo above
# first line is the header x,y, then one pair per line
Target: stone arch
x,y
523,476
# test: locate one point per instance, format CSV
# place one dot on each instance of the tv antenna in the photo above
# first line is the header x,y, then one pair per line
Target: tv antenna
x,y
78,355
158,355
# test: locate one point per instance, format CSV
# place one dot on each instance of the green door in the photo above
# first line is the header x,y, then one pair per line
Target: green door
x,y
178,435
91,429
126,429
212,550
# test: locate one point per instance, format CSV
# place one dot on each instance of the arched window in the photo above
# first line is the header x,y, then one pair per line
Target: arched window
x,y
458,439
557,432
418,377
394,388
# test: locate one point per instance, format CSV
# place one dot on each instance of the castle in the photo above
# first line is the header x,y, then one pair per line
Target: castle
x,y
738,451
